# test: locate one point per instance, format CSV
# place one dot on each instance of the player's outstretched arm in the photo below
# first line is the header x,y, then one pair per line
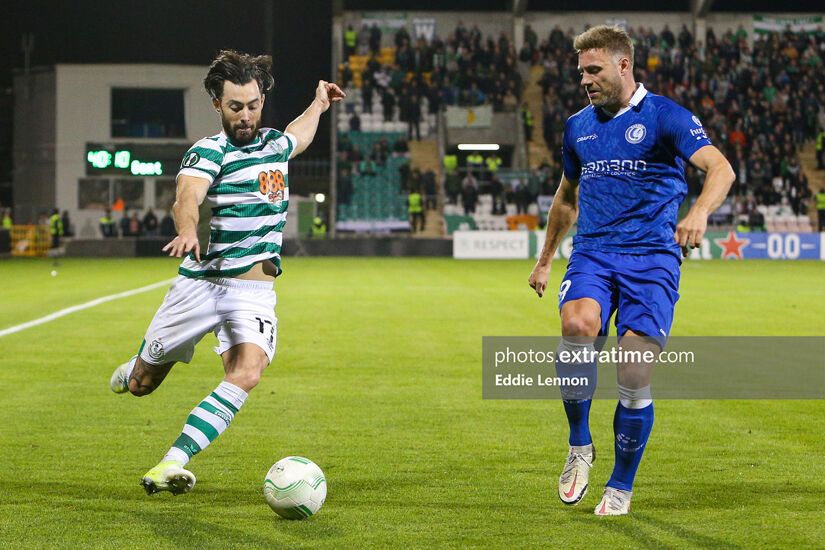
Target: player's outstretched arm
x,y
718,179
191,191
304,127
560,219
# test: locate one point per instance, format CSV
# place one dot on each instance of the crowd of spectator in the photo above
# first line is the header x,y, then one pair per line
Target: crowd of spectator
x,y
760,101
133,225
759,105
462,69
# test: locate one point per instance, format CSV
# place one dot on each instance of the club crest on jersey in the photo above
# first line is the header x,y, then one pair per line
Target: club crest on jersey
x,y
156,349
277,197
276,147
635,133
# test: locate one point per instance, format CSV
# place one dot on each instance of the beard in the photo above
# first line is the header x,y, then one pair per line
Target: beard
x,y
609,94
241,134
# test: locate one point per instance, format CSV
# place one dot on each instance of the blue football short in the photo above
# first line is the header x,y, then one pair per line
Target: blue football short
x,y
642,289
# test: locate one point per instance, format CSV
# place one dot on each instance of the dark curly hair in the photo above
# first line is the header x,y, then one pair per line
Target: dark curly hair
x,y
238,68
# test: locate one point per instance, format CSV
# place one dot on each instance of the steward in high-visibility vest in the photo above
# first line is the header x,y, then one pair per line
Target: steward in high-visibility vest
x,y
416,210
55,228
493,163
475,159
350,39
319,228
107,225
415,202
527,119
820,209
450,163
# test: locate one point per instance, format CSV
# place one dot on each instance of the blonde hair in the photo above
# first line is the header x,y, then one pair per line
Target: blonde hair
x,y
612,39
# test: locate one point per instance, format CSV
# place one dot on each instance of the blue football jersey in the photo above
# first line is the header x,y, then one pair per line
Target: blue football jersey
x,y
631,175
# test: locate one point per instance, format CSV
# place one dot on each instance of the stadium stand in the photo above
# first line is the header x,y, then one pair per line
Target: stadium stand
x,y
403,88
761,106
761,99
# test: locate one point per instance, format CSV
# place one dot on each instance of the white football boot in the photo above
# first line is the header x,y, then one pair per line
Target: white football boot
x,y
575,476
118,381
615,502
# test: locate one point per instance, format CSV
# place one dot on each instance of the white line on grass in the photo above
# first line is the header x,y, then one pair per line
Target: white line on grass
x,y
86,305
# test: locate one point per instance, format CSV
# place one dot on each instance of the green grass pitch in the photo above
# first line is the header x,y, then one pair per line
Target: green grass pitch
x,y
377,378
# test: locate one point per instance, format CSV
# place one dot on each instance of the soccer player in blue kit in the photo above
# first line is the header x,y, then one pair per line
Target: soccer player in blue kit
x,y
623,179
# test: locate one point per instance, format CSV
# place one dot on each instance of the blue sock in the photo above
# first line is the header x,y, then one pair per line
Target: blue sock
x,y
632,429
577,398
578,417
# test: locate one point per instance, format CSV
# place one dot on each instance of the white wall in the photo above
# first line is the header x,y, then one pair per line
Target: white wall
x,y
83,107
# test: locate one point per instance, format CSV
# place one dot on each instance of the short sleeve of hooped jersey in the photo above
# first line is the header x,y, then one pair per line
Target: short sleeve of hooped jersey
x,y
291,144
204,159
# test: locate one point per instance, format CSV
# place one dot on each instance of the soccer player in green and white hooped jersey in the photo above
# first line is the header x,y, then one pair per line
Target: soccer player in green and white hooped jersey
x,y
241,175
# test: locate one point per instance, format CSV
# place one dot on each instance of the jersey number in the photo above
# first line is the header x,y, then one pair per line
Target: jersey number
x,y
261,326
565,286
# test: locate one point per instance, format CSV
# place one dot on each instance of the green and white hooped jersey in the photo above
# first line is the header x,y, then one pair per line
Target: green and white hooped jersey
x,y
248,198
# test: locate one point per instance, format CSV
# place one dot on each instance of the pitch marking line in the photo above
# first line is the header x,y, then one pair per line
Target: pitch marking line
x,y
79,307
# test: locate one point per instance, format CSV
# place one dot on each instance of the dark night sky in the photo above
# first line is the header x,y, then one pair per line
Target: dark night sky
x,y
184,32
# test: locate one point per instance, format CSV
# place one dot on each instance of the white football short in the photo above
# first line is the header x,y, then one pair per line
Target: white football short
x,y
236,310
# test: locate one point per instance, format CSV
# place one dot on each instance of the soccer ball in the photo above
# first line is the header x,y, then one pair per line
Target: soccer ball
x,y
295,487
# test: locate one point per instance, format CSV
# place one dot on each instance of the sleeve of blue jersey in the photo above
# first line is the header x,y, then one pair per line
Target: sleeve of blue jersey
x,y
572,164
681,130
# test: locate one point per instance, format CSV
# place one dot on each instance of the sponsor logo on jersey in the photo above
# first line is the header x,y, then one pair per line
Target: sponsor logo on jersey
x,y
272,184
635,133
586,138
699,133
696,120
190,160
613,167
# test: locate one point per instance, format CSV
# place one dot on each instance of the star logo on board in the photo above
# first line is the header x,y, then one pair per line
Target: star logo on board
x,y
731,246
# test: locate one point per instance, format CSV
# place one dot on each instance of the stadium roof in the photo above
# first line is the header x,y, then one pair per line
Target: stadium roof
x,y
751,6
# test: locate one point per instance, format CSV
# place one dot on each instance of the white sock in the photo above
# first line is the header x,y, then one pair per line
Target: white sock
x,y
130,368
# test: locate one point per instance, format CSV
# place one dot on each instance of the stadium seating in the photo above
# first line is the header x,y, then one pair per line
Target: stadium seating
x,y
377,200
374,122
759,101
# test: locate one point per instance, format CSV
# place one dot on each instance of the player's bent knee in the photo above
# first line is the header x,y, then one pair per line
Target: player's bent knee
x,y
580,325
245,378
146,377
139,390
